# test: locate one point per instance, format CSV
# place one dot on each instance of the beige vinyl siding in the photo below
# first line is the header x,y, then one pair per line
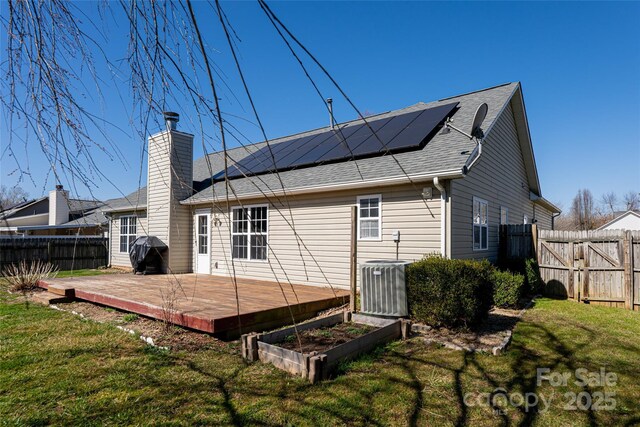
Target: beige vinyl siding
x,y
543,218
499,177
321,254
169,181
121,259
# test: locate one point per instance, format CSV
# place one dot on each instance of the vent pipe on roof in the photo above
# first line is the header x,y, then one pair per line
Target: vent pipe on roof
x,y
330,106
171,119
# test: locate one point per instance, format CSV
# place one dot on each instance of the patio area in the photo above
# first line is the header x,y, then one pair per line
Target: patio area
x,y
202,302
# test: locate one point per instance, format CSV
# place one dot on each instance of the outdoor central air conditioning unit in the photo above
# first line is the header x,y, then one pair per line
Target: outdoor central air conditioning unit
x,y
383,291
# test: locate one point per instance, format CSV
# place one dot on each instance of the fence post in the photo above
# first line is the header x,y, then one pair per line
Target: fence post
x,y
534,239
49,250
628,269
571,279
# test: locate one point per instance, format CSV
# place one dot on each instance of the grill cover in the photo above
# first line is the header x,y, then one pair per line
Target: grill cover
x,y
146,254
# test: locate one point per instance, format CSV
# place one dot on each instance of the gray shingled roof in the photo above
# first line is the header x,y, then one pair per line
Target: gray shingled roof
x,y
442,153
133,201
79,205
93,218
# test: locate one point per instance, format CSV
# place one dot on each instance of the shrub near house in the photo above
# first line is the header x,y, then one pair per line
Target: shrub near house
x,y
508,289
450,292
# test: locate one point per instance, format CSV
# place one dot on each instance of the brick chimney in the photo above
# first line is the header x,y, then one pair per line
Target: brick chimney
x,y
170,180
58,206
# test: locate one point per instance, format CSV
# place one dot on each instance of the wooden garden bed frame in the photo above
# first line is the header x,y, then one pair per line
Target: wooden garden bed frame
x,y
317,366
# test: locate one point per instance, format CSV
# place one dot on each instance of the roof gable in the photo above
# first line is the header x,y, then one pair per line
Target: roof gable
x,y
626,215
524,137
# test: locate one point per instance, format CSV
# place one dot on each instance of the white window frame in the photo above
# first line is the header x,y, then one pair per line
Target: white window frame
x,y
127,234
504,210
371,196
480,225
249,232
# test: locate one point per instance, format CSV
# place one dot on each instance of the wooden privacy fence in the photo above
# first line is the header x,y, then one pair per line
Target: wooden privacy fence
x,y
599,267
517,241
66,253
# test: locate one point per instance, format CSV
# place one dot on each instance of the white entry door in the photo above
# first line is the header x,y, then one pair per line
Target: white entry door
x,y
203,246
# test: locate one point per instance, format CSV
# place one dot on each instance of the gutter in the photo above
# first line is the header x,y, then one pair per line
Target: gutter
x,y
138,208
448,174
539,200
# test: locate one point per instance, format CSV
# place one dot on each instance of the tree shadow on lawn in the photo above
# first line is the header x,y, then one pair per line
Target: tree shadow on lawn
x,y
260,394
348,398
522,378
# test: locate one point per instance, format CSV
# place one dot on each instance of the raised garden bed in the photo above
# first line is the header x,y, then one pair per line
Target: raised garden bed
x,y
322,343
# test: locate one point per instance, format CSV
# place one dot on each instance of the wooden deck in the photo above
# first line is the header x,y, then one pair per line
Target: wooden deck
x,y
205,303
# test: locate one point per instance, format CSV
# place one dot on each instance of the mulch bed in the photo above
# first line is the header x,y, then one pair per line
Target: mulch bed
x,y
173,337
490,334
322,339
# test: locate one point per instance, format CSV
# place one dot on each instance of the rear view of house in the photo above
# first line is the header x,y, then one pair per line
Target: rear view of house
x,y
282,211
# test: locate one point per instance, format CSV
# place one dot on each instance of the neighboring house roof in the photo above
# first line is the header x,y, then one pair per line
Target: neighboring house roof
x,y
76,207
620,217
445,154
8,213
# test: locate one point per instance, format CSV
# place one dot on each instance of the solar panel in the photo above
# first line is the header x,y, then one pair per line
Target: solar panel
x,y
409,131
338,137
356,142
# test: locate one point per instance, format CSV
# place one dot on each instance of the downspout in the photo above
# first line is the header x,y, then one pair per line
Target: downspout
x,y
109,217
474,157
443,215
553,220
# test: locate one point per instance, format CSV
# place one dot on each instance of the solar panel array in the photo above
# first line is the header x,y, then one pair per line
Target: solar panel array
x,y
404,132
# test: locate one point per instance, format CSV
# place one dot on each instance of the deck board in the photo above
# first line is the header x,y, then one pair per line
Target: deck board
x,y
206,303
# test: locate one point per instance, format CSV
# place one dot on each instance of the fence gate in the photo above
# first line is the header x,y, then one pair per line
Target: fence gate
x,y
590,266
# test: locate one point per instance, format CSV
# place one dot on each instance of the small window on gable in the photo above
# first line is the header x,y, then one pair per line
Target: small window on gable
x,y
480,224
504,215
369,217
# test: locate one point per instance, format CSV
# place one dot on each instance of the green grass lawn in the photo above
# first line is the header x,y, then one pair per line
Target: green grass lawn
x,y
85,272
56,368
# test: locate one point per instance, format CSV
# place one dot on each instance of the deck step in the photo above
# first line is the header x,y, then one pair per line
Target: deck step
x,y
48,298
62,290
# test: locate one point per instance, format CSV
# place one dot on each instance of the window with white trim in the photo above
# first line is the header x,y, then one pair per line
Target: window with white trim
x,y
369,217
504,215
127,232
480,224
249,233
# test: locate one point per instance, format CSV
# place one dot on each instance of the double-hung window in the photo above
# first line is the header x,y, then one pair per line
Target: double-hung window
x,y
249,234
480,224
369,218
127,232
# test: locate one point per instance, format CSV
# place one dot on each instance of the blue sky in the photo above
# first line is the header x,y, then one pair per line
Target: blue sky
x,y
579,64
